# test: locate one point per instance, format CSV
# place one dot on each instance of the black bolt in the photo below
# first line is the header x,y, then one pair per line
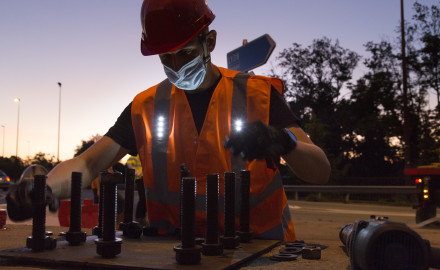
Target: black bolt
x,y
187,252
212,245
39,241
184,172
75,236
97,230
130,228
245,184
109,246
229,239
141,209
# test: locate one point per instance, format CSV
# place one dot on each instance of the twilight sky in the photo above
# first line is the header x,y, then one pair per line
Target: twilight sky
x,y
92,48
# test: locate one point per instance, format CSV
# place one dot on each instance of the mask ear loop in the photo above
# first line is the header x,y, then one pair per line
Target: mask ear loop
x,y
206,54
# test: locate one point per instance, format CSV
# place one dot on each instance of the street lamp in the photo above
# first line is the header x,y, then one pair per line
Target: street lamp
x,y
3,152
18,124
59,119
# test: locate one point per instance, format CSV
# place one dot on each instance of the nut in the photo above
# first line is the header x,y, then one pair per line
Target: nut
x,y
76,238
230,242
187,256
212,249
132,229
108,249
310,253
45,243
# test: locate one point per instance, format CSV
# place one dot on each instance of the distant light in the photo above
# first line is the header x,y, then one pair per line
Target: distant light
x,y
425,191
16,100
426,196
238,125
418,180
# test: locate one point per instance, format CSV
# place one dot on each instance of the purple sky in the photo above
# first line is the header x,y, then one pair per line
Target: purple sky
x,y
92,48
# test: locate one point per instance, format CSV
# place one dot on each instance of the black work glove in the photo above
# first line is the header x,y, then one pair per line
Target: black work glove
x,y
19,201
259,141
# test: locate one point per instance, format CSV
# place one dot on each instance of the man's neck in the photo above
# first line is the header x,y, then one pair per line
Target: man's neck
x,y
212,77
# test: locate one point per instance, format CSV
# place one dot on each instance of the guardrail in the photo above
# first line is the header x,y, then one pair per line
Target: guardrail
x,y
347,190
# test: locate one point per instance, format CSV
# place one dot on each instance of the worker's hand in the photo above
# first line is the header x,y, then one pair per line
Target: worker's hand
x,y
19,201
259,141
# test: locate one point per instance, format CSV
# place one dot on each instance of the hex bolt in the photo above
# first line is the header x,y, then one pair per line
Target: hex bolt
x,y
212,245
75,236
230,240
39,241
109,246
245,185
130,228
184,172
187,253
97,230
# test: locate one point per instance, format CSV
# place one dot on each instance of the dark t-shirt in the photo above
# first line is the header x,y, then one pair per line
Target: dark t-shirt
x,y
280,116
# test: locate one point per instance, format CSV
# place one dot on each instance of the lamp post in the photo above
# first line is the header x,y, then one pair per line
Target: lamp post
x,y
59,119
3,151
18,124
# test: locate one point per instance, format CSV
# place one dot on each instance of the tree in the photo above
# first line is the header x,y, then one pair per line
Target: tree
x,y
314,77
85,144
45,160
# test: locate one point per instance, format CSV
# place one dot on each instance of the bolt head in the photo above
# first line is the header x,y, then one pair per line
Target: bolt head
x,y
45,243
245,237
132,229
230,242
187,256
108,249
76,238
212,249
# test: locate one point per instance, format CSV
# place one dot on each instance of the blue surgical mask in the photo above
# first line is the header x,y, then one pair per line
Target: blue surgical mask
x,y
190,76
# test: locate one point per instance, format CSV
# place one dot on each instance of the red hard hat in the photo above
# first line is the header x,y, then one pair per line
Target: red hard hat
x,y
168,25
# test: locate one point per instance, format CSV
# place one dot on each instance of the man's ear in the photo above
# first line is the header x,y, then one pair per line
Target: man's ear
x,y
211,39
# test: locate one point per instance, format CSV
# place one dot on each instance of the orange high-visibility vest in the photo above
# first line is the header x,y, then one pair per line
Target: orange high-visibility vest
x,y
166,137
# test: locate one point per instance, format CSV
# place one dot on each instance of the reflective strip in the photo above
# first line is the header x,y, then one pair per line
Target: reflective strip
x,y
279,231
159,144
274,185
239,112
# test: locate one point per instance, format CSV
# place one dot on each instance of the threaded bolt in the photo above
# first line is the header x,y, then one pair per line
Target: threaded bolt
x,y
109,246
39,207
39,241
187,253
75,236
229,239
244,233
212,245
188,212
75,202
109,218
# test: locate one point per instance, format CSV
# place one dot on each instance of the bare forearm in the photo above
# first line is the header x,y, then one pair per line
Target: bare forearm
x,y
309,163
59,178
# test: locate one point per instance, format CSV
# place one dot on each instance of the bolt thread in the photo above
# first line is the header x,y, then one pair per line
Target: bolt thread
x,y
244,206
75,202
212,209
188,212
110,197
229,204
129,195
39,207
101,203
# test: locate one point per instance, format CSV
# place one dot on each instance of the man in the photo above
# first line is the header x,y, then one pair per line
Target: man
x,y
211,119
